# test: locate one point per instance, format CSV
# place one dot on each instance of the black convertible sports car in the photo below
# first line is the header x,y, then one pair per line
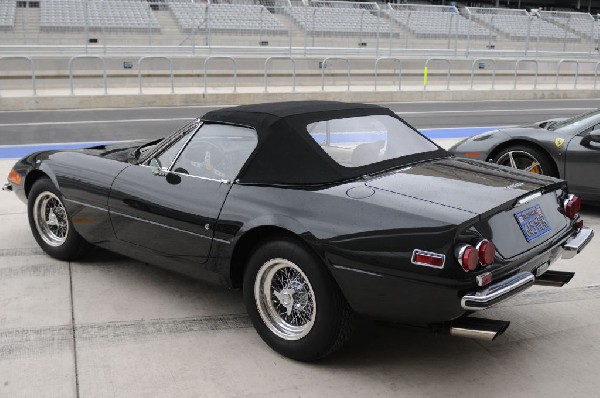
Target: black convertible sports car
x,y
564,148
319,211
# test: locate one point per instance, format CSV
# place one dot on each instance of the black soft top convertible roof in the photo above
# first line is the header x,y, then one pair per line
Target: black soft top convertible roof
x,y
287,155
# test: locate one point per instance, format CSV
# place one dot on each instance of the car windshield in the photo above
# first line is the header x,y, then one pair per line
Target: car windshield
x,y
579,121
364,140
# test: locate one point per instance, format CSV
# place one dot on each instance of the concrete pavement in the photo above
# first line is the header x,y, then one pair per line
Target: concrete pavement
x,y
108,326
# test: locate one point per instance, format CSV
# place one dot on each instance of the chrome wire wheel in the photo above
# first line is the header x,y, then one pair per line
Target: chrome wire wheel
x,y
521,160
50,218
285,299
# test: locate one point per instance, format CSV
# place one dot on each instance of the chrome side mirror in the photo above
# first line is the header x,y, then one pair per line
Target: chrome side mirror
x,y
156,167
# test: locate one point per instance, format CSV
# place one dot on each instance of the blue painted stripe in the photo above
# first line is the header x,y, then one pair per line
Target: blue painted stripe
x,y
18,151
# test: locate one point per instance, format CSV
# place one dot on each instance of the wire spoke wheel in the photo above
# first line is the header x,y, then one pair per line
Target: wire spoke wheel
x,y
521,160
50,218
285,299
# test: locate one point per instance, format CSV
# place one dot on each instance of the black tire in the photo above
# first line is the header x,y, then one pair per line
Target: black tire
x,y
522,152
333,321
68,247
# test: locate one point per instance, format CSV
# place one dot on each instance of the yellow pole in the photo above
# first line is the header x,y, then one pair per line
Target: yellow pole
x,y
425,70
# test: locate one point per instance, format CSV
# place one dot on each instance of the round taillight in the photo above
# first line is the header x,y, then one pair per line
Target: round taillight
x,y
486,251
468,258
572,206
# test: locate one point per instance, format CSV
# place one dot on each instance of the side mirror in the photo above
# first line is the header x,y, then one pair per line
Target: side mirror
x,y
156,167
592,136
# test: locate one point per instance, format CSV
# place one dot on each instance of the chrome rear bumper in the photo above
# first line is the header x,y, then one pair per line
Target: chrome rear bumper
x,y
7,187
506,288
576,244
497,292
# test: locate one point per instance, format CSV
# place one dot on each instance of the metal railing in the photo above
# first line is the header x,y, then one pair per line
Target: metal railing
x,y
567,61
426,71
31,65
214,57
155,57
518,63
323,65
397,61
359,69
104,78
266,71
476,62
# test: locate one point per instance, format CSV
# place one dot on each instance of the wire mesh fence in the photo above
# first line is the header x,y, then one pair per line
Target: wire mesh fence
x,y
344,27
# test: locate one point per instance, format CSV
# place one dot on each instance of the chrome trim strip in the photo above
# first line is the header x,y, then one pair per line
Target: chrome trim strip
x,y
356,270
576,244
168,227
85,204
7,187
432,254
527,199
497,292
189,175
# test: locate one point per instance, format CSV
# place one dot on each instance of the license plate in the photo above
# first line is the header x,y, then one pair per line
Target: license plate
x,y
532,222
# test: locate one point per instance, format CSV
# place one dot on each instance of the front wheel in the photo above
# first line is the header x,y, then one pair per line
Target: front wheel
x,y
293,302
50,223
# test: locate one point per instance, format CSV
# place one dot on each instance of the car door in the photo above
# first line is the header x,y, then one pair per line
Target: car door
x,y
173,211
583,164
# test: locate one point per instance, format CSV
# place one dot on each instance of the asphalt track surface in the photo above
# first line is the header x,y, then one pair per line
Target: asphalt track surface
x,y
453,119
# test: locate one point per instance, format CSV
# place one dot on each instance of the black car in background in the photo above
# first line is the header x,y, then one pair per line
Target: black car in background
x,y
319,211
563,148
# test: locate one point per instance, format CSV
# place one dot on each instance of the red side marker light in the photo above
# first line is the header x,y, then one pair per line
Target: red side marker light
x,y
472,154
484,279
428,259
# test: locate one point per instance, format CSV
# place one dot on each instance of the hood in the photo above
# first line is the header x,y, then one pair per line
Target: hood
x,y
121,151
464,184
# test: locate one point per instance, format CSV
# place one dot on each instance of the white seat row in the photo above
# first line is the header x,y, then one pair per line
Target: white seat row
x,y
7,14
225,18
337,20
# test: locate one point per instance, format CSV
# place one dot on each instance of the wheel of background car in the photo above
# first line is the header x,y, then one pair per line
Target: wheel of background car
x,y
526,158
294,303
205,159
50,223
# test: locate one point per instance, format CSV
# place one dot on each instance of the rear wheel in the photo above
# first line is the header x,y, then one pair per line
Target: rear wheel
x,y
50,223
293,302
527,158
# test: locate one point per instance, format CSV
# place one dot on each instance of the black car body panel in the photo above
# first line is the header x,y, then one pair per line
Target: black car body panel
x,y
365,228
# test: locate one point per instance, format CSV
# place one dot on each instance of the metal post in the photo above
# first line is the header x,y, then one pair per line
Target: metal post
x,y
596,74
528,35
566,30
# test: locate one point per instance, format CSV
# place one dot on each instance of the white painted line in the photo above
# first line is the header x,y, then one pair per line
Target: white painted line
x,y
63,143
96,122
496,111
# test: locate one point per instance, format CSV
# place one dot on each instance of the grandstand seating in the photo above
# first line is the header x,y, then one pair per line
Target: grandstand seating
x,y
579,23
7,14
337,20
515,24
119,15
225,18
435,21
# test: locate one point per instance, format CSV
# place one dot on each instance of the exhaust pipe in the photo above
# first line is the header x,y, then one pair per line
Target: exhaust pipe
x,y
477,328
554,278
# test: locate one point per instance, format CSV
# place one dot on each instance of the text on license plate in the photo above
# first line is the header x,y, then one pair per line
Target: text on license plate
x,y
532,222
